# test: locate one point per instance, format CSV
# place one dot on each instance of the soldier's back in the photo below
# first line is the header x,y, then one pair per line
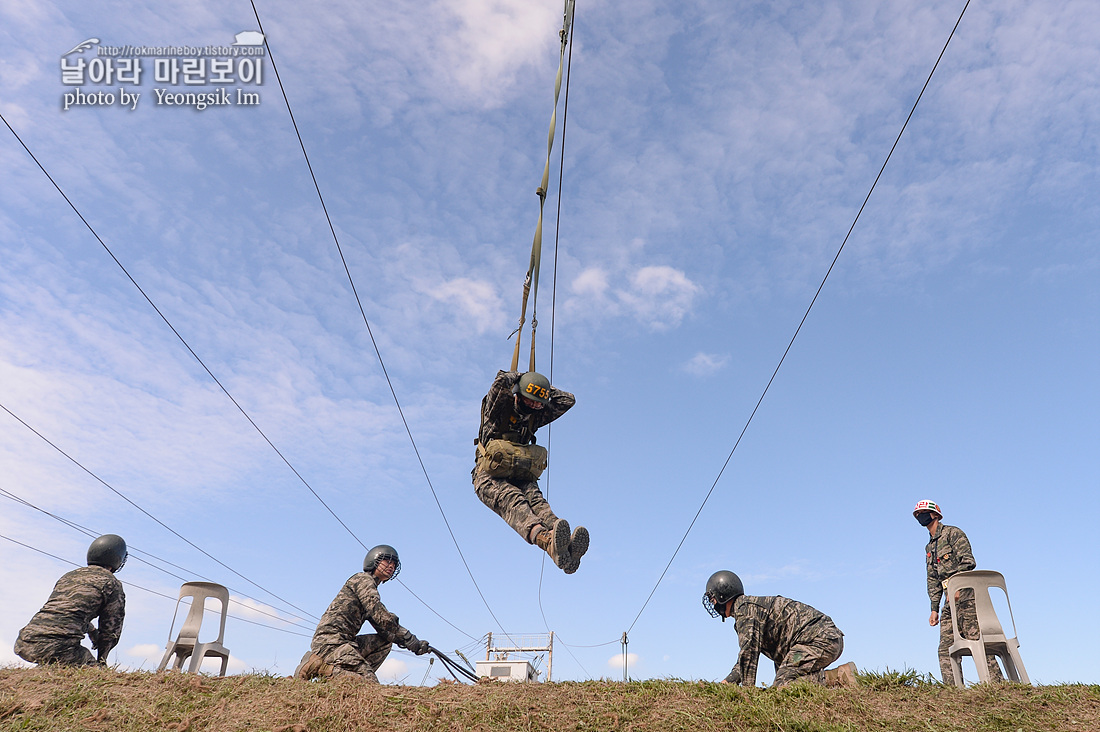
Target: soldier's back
x,y
77,599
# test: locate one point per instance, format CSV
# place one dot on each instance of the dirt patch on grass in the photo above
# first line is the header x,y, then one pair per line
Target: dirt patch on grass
x,y
100,699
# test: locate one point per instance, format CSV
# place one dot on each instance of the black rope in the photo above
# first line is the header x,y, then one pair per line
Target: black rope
x,y
154,518
806,314
134,551
215,378
154,592
362,312
453,666
177,334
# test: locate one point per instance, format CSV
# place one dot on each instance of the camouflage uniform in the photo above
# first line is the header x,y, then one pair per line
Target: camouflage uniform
x,y
800,640
336,640
56,631
947,553
520,503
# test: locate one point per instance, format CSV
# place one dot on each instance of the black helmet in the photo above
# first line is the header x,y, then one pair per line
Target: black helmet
x,y
722,587
533,386
108,551
377,554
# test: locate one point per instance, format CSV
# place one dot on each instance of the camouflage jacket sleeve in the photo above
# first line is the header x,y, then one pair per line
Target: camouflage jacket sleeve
x,y
947,554
750,633
111,618
497,406
382,619
498,414
560,403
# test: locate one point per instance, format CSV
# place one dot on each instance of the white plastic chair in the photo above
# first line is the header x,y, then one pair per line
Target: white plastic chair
x,y
187,642
991,638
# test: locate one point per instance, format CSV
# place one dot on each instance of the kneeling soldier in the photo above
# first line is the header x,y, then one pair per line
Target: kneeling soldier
x,y
336,648
79,597
800,640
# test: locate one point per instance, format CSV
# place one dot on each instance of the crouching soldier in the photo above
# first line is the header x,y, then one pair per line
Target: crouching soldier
x,y
55,632
509,463
800,640
337,649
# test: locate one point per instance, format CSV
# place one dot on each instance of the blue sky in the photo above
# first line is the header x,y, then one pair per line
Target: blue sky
x,y
716,154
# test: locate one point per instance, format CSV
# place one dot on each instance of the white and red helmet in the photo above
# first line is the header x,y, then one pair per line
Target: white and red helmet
x,y
931,506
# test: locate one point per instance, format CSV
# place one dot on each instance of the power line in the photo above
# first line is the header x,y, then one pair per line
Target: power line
x,y
177,334
554,298
154,518
363,313
158,594
210,373
805,315
132,550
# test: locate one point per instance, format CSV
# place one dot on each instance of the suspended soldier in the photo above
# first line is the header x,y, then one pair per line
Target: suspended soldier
x,y
509,463
337,648
800,640
947,553
55,632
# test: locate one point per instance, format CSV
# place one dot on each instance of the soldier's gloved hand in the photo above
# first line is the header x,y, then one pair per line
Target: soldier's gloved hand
x,y
420,647
93,633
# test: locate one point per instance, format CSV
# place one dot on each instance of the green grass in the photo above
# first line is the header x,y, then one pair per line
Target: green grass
x,y
50,700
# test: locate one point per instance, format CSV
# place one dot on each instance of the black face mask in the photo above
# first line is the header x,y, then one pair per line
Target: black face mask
x,y
924,519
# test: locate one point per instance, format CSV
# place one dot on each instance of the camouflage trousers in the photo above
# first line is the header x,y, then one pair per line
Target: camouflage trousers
x,y
968,628
362,657
807,660
63,650
521,505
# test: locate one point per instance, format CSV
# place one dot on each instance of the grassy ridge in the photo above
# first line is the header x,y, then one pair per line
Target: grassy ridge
x,y
100,699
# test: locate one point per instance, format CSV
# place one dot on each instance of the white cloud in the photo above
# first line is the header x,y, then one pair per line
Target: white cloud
x,y
616,662
393,669
657,296
705,364
144,656
493,39
660,296
477,302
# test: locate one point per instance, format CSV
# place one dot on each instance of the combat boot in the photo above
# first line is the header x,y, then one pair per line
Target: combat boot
x,y
313,667
842,676
846,675
578,545
555,542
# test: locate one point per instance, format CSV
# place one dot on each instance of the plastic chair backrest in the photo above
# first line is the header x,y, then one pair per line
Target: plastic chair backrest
x,y
991,639
198,592
187,644
980,580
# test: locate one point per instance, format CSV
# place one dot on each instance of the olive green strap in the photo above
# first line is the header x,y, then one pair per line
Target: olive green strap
x,y
531,281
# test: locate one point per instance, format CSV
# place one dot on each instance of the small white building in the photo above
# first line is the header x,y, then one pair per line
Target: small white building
x,y
507,670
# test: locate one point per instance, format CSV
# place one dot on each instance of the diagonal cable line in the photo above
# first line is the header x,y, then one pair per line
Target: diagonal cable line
x,y
448,622
134,551
154,592
154,518
806,314
370,332
177,333
203,364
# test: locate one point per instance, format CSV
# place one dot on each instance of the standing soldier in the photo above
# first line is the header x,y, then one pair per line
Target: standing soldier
x,y
337,649
55,632
800,640
509,463
946,554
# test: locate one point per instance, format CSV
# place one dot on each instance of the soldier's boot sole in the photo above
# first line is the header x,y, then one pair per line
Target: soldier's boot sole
x,y
578,545
559,545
